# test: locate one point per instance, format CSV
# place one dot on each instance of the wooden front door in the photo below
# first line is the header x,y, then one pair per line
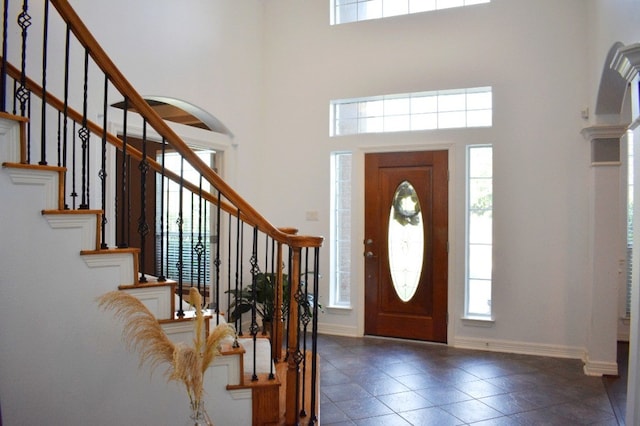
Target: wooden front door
x,y
405,247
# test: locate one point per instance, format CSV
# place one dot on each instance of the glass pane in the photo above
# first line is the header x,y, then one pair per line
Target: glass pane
x,y
347,13
448,120
481,161
371,9
452,102
396,7
479,297
421,5
478,100
397,123
479,118
372,108
480,261
480,194
480,227
372,125
346,127
349,110
405,241
445,4
424,122
397,106
424,104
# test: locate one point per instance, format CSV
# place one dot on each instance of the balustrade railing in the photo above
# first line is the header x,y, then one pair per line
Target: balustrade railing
x,y
215,241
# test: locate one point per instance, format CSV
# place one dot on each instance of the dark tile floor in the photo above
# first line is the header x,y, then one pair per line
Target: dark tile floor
x,y
375,381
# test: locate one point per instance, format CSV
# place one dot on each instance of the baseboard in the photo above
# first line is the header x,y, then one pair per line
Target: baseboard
x,y
526,348
599,368
338,330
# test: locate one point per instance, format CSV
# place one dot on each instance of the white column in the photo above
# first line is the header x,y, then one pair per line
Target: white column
x,y
606,248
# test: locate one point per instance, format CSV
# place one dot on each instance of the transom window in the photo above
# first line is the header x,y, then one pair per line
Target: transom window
x,y
344,11
443,109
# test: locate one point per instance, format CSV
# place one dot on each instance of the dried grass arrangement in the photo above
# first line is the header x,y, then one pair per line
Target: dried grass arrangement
x,y
143,333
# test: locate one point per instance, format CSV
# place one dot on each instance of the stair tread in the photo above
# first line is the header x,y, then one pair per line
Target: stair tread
x,y
72,212
33,167
13,117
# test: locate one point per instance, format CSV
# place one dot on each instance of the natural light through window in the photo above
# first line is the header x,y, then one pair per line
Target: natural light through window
x,y
479,231
443,109
344,11
340,252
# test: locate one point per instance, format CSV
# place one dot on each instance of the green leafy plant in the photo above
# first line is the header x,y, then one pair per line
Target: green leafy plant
x,y
265,298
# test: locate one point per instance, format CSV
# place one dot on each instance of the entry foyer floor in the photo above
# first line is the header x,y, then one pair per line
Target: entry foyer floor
x,y
375,381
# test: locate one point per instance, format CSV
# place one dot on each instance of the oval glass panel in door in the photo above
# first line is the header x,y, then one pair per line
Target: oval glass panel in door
x,y
405,241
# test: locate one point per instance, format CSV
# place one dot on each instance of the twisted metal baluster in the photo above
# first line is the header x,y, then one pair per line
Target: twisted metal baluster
x,y
217,262
199,248
143,225
74,194
103,169
304,316
254,289
22,94
180,222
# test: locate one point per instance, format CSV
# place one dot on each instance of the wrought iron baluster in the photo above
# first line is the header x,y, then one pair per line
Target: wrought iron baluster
x,y
277,302
103,169
161,276
65,109
199,248
229,263
304,318
59,140
180,222
191,246
124,242
43,118
254,290
217,262
314,336
74,194
143,225
83,133
24,21
3,65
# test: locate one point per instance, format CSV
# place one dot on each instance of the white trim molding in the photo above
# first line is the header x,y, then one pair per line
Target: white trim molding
x,y
627,61
525,348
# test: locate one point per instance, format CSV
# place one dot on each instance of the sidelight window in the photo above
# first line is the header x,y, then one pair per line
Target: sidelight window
x,y
341,229
479,244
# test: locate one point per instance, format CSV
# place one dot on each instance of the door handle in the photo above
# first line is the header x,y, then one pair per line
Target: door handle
x,y
369,254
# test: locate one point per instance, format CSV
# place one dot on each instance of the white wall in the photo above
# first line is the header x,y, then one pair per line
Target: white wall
x,y
534,55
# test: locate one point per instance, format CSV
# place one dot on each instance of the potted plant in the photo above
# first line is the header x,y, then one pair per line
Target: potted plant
x,y
265,295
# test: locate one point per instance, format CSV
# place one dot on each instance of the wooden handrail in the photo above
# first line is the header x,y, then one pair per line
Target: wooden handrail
x,y
117,79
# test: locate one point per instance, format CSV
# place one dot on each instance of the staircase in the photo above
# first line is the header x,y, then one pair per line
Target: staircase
x,y
62,360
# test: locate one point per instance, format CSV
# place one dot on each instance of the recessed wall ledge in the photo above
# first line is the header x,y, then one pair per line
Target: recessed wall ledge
x,y
627,61
604,131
